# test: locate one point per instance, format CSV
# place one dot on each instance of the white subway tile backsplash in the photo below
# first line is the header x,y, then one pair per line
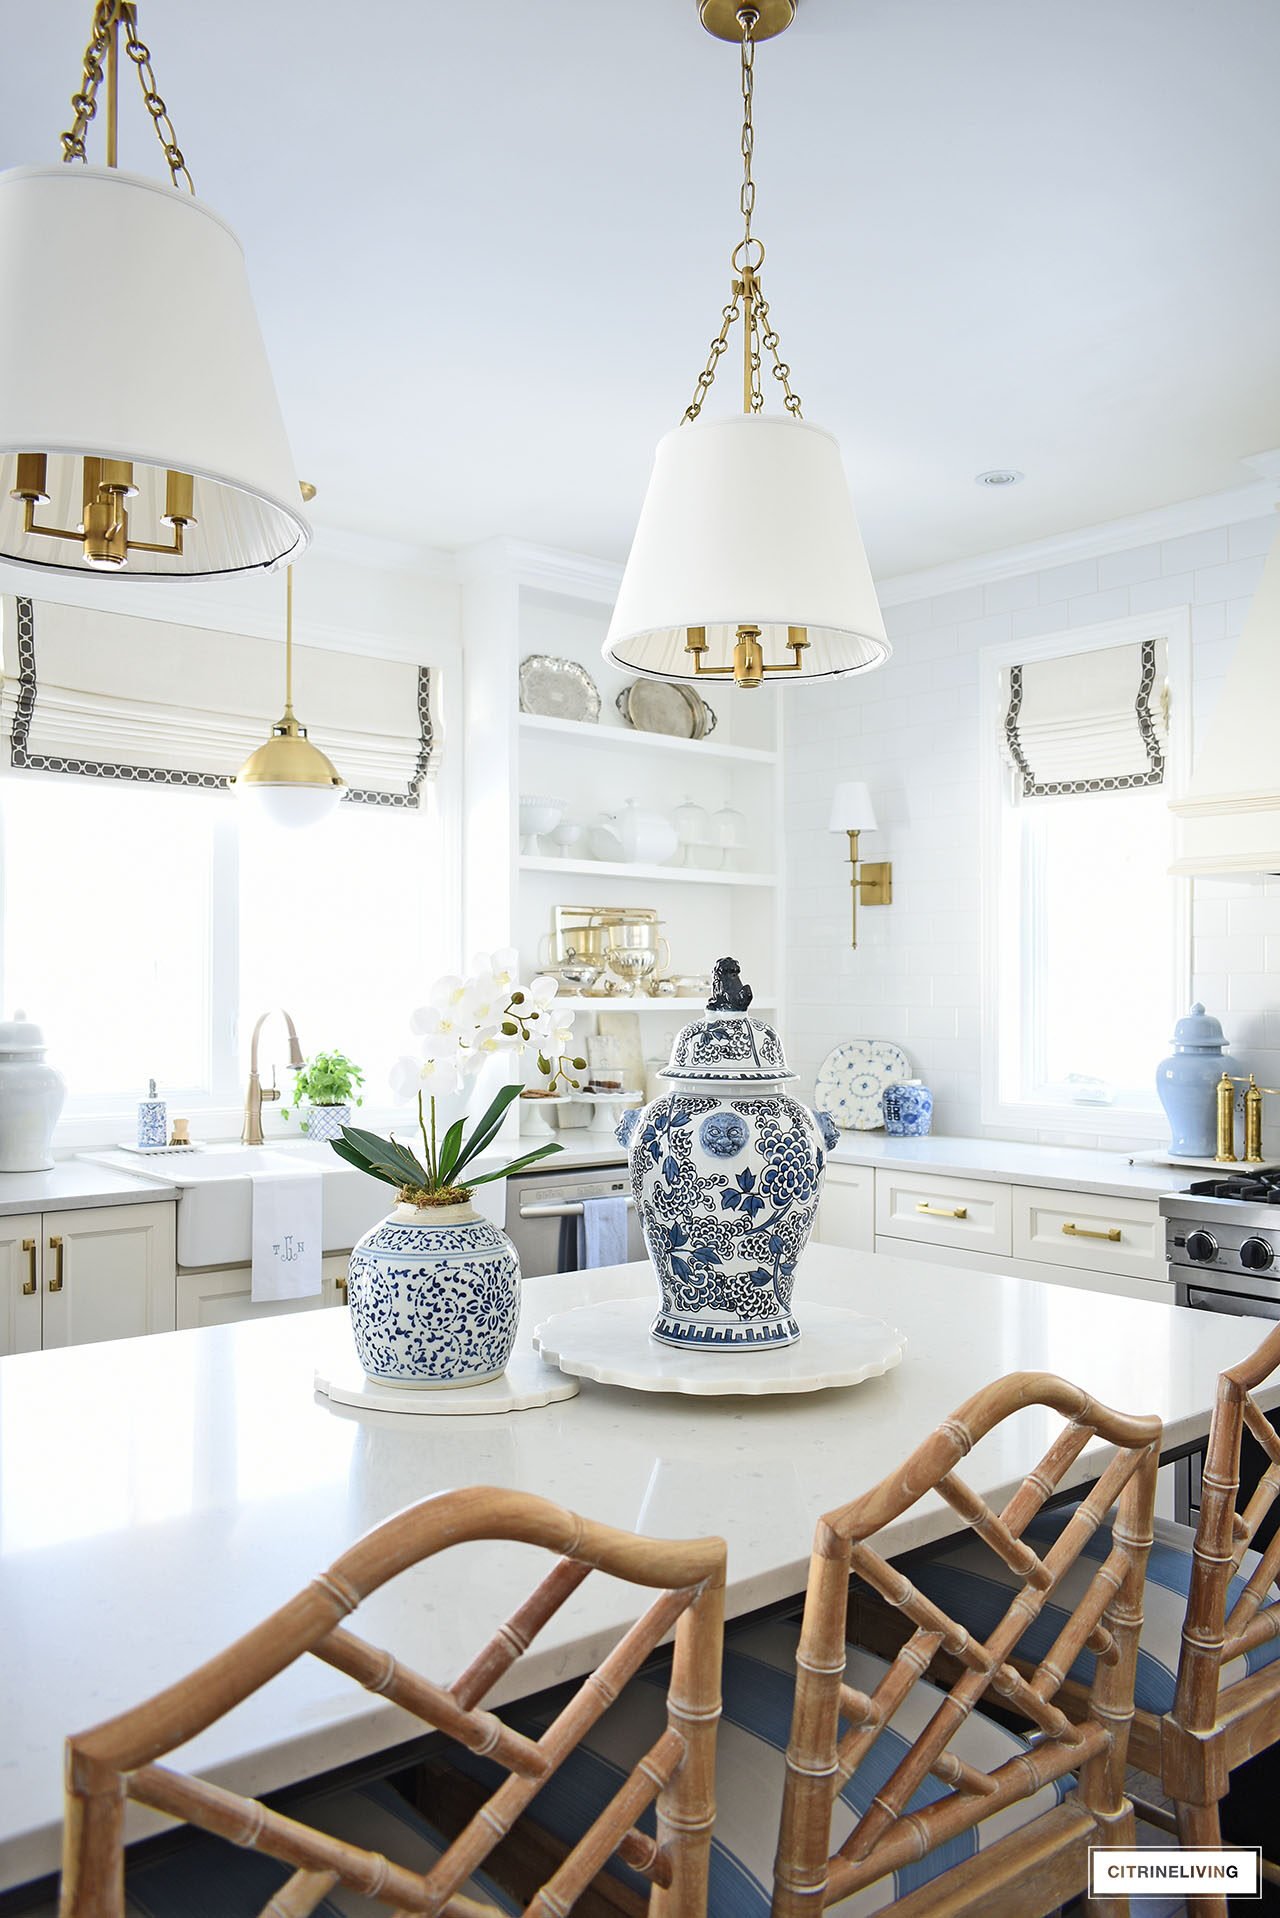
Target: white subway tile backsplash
x,y
1070,581
1011,595
1194,550
1159,595
949,607
1041,619
1124,569
1092,608
1250,536
1238,579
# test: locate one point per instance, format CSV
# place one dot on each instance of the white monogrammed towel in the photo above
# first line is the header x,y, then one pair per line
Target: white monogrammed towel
x,y
286,1235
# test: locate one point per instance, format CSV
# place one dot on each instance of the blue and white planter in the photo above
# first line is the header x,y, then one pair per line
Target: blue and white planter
x,y
434,1295
907,1109
325,1122
727,1171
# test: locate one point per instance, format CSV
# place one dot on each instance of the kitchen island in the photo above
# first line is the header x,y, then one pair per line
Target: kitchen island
x,y
159,1496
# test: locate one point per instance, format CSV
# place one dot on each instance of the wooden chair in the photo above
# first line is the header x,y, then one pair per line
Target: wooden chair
x,y
117,1760
916,1767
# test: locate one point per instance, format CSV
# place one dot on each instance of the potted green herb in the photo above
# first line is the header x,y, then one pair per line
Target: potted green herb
x,y
324,1086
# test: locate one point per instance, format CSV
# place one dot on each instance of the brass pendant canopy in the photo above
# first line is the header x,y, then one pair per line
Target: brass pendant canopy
x,y
721,17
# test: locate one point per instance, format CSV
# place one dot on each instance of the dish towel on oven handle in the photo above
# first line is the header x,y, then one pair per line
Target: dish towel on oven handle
x,y
602,1231
287,1235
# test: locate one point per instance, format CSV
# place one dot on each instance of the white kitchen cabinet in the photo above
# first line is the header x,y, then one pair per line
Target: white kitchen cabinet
x,y
968,1215
76,1277
1094,1234
223,1294
847,1214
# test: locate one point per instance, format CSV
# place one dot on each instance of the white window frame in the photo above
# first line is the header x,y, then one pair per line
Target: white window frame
x,y
1173,625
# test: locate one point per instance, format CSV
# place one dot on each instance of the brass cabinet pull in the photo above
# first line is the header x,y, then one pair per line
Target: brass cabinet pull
x,y
1085,1232
29,1283
942,1211
341,1284
55,1246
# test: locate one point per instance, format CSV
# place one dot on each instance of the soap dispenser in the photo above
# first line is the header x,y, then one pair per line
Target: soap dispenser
x,y
31,1095
153,1118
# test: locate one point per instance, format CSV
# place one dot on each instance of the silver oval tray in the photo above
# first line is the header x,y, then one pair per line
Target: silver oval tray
x,y
558,689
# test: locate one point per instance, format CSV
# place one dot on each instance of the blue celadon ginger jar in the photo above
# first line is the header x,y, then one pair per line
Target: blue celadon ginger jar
x,y
1187,1083
434,1295
908,1109
727,1169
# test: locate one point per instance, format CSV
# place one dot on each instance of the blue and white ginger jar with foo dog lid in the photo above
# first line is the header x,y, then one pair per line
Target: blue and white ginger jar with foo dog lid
x,y
727,1172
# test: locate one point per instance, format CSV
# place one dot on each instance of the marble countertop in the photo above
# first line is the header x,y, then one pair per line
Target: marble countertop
x,y
1067,1168
159,1496
71,1184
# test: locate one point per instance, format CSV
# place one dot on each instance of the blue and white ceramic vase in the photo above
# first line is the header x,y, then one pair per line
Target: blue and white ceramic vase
x,y
907,1108
727,1171
325,1122
1187,1082
434,1294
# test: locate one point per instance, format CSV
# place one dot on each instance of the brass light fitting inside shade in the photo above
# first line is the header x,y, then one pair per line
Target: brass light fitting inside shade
x,y
139,427
293,780
747,564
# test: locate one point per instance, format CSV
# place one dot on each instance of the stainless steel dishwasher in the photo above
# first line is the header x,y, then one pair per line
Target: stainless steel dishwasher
x,y
539,1202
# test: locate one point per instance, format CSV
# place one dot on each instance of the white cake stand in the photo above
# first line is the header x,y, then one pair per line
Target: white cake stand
x,y
526,1384
610,1342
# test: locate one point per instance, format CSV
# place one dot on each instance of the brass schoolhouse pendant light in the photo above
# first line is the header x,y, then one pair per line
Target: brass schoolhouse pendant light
x,y
139,426
747,562
290,780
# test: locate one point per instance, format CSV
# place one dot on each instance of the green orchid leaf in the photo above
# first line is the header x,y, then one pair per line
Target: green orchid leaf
x,y
394,1159
361,1164
487,1128
517,1165
450,1150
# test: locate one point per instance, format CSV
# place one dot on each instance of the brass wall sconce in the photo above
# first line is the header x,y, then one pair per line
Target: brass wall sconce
x,y
853,812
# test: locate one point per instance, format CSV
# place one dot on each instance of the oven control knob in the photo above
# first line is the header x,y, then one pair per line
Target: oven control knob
x,y
1201,1246
1256,1255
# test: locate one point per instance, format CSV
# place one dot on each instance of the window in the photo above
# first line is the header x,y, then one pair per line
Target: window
x,y
146,926
1087,952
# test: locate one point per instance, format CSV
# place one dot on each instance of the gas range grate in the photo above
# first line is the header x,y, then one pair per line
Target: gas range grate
x,y
1252,1188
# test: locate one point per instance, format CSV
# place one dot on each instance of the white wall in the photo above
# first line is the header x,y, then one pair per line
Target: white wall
x,y
911,731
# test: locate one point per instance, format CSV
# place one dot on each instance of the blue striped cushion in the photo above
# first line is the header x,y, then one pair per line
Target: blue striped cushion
x,y
759,1683
974,1587
203,1877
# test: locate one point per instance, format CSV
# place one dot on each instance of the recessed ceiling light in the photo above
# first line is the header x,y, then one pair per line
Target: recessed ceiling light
x,y
999,476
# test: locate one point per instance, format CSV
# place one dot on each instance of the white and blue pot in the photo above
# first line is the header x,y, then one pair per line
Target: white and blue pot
x,y
325,1122
434,1295
908,1109
727,1172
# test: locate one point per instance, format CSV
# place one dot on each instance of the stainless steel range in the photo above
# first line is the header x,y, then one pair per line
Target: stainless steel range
x,y
1222,1236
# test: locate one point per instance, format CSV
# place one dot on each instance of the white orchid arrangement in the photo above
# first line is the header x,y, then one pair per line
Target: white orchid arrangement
x,y
465,1023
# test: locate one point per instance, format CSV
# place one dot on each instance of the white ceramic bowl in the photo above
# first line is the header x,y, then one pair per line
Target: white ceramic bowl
x,y
538,816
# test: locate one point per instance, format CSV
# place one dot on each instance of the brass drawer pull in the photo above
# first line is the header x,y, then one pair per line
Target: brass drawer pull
x,y
942,1211
1084,1232
55,1246
341,1285
29,1283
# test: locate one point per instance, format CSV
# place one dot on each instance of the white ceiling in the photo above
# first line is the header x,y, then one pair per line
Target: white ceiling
x,y
489,244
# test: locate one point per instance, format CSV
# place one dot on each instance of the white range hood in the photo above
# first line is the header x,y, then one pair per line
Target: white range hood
x,y
1229,816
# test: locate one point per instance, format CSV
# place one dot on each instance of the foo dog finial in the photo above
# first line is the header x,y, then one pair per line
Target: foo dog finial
x,y
729,992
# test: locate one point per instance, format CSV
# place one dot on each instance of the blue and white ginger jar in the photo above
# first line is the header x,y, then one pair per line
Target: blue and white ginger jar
x,y
727,1172
908,1109
434,1295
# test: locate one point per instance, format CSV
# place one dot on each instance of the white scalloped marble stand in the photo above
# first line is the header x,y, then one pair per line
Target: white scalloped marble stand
x,y
526,1384
610,1342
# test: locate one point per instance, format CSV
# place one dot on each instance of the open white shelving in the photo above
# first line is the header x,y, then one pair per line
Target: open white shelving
x,y
585,734
643,1002
622,869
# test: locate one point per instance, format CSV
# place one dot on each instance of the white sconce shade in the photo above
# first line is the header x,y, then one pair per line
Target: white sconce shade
x,y
747,522
127,332
851,808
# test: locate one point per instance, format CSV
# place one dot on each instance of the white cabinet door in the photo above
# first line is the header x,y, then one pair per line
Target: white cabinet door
x,y
224,1295
847,1214
108,1273
969,1215
20,1283
1091,1233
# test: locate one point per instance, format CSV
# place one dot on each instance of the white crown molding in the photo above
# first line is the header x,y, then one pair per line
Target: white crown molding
x,y
575,574
350,548
1089,542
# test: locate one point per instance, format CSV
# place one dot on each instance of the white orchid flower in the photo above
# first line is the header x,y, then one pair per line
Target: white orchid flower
x,y
542,989
448,991
406,1076
505,966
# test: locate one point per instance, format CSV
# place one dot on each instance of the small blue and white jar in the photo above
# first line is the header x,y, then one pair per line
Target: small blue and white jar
x,y
325,1122
434,1295
907,1108
727,1171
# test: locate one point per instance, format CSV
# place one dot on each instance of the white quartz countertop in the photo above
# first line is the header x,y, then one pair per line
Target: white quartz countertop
x,y
1065,1167
72,1183
159,1496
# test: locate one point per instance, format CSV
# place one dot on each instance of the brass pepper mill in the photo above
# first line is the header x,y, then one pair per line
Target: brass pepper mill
x,y
1226,1096
1253,1122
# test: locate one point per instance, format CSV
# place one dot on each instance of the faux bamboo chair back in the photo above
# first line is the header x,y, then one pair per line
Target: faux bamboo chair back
x,y
1212,1637
116,1760
1107,1620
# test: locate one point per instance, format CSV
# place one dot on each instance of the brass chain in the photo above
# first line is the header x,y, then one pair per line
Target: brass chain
x,y
85,103
764,337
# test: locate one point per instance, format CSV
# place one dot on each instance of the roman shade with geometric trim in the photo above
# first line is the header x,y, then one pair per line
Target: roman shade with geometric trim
x,y
1088,722
112,696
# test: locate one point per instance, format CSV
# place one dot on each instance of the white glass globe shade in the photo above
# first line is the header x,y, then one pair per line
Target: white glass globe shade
x,y
291,805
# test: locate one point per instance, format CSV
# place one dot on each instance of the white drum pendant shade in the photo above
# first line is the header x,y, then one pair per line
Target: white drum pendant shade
x,y
127,332
747,521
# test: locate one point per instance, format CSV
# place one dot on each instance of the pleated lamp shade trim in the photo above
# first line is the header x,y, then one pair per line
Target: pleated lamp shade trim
x,y
127,331
747,521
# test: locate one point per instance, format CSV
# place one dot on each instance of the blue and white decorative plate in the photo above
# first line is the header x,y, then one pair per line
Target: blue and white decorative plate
x,y
851,1079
